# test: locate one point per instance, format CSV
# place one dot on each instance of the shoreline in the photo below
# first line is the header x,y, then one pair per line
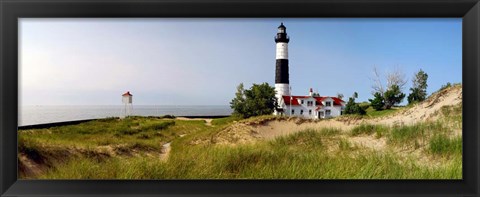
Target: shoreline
x,y
73,122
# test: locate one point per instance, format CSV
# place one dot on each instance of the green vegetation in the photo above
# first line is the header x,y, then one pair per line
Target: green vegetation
x,y
443,145
377,102
385,97
354,108
131,148
301,155
419,89
106,132
226,120
405,135
393,96
368,129
102,139
258,100
372,113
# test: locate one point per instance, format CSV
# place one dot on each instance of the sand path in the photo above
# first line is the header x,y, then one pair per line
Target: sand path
x,y
208,121
165,151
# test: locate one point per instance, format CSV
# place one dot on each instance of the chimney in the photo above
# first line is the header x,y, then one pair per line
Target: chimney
x,y
311,92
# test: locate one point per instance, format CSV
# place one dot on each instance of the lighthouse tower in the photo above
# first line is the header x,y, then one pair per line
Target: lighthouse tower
x,y
282,86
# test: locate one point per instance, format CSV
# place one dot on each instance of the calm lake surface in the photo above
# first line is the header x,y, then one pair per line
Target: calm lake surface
x,y
31,115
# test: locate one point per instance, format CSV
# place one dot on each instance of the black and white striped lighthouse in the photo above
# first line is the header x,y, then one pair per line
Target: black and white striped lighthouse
x,y
281,69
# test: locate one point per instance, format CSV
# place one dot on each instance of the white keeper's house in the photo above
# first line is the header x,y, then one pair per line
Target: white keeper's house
x,y
311,106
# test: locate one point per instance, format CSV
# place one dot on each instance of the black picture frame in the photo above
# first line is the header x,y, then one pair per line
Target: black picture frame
x,y
11,10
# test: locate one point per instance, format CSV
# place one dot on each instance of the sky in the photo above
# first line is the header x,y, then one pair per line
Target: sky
x,y
201,61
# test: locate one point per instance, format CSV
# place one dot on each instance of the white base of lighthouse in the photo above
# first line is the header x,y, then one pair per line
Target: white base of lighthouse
x,y
281,89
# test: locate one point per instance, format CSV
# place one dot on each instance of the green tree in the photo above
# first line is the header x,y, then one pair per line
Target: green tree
x,y
377,102
354,108
393,96
340,95
258,100
419,89
238,103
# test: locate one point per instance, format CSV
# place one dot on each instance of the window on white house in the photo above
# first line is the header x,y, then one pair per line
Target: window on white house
x,y
328,112
309,103
293,111
309,112
301,112
328,103
301,101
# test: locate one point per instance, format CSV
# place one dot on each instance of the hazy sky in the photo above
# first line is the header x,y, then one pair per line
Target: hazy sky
x,y
201,61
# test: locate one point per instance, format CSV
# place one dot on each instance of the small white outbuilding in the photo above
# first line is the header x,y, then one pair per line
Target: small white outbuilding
x,y
127,100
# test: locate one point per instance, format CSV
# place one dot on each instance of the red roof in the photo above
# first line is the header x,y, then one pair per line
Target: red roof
x,y
294,100
319,99
127,94
336,101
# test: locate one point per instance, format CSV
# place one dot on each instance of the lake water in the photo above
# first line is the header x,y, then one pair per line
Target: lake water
x,y
31,115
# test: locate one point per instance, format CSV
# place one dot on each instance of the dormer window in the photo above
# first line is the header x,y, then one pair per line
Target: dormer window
x,y
328,103
301,101
309,103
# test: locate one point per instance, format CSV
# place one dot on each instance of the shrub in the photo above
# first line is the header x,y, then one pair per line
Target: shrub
x,y
377,102
419,89
393,96
168,116
354,108
258,100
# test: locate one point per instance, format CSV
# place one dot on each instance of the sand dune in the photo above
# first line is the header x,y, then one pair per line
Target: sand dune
x,y
244,132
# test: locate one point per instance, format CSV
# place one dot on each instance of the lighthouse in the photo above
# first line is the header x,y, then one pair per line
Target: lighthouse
x,y
282,86
312,106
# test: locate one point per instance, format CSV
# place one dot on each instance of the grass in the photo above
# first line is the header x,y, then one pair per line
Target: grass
x,y
111,132
344,144
372,113
369,129
73,152
415,135
443,145
125,137
308,139
225,121
300,155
